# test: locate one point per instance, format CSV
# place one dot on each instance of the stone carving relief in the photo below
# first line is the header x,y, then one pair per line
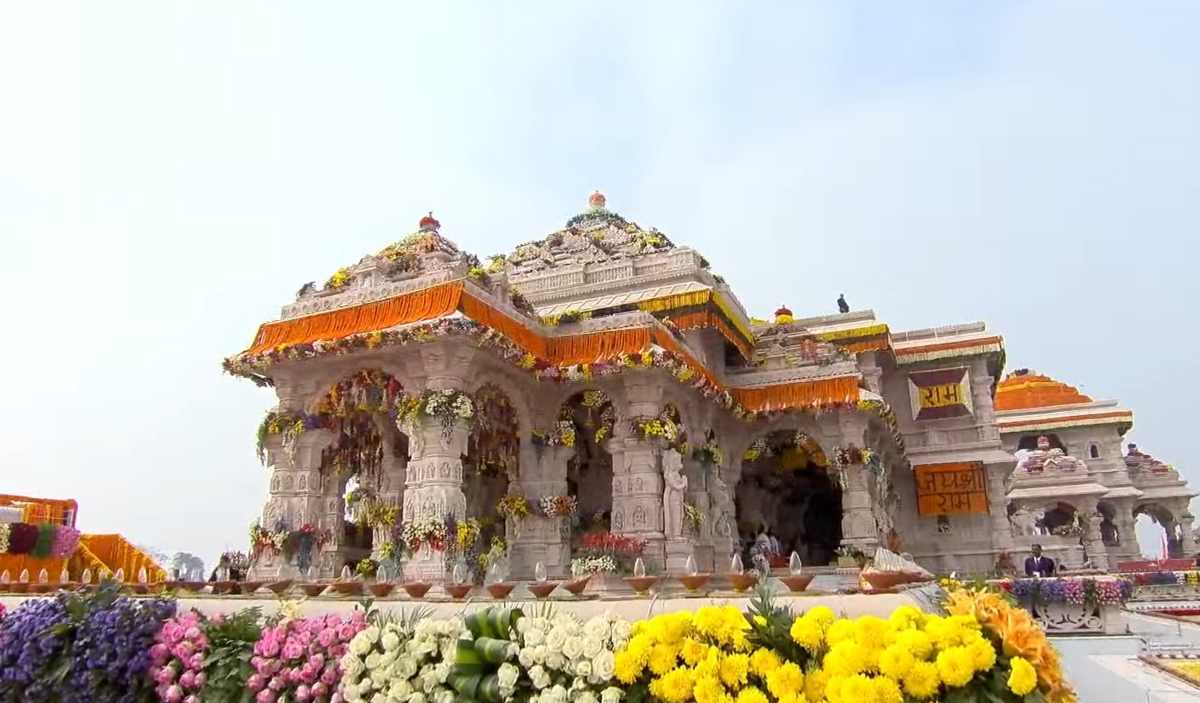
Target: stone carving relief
x,y
675,486
1025,521
289,482
304,483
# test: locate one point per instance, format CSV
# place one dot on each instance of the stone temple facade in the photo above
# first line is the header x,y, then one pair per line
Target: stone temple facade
x,y
607,365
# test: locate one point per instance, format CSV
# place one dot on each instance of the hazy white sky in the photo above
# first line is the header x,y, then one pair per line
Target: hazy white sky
x,y
171,172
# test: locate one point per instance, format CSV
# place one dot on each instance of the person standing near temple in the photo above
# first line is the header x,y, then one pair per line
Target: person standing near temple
x,y
1038,565
843,306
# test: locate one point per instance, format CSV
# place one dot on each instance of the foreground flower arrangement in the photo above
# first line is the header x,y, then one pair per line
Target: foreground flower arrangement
x,y
99,647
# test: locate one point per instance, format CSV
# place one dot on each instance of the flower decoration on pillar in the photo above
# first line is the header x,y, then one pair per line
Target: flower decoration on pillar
x,y
514,507
557,506
449,406
426,532
710,451
493,445
289,426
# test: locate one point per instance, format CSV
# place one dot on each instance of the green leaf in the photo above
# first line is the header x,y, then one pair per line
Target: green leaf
x,y
493,651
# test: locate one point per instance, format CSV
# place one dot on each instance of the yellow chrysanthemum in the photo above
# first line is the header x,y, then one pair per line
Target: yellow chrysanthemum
x,y
983,654
955,667
785,679
751,694
808,634
846,659
674,687
857,688
663,658
693,652
796,697
886,690
814,684
916,642
922,680
763,662
1023,678
639,647
711,664
820,615
735,669
872,632
833,689
896,661
839,631
708,689
906,617
627,667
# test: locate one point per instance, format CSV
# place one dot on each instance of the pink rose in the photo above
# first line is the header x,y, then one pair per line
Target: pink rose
x,y
265,696
200,679
319,689
329,677
270,648
318,660
255,682
303,694
326,637
159,653
174,694
165,675
188,679
196,662
292,651
191,699
347,632
332,621
277,684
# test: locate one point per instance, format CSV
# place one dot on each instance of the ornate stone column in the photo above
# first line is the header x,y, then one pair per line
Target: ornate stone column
x,y
295,492
1187,539
541,539
637,500
433,485
697,474
1096,550
858,522
1127,530
1002,538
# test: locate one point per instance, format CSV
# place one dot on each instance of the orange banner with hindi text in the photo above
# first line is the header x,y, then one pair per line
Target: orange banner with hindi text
x,y
951,489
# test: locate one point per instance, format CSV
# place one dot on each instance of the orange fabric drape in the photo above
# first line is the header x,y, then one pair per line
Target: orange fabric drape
x,y
596,346
707,318
427,304
518,334
117,553
14,564
666,341
803,394
38,510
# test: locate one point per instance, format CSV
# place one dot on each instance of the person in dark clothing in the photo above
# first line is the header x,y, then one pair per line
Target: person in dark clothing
x,y
1038,565
843,306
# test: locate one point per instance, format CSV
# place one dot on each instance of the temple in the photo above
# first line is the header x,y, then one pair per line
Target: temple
x,y
604,381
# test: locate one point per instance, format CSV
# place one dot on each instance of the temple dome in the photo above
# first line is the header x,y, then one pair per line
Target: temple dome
x,y
1025,390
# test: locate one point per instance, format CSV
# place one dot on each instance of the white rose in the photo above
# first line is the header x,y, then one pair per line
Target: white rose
x,y
352,695
597,628
557,694
556,661
534,637
371,634
592,647
389,658
611,695
400,690
620,631
442,672
583,668
540,677
555,639
586,697
352,666
379,698
527,658
407,668
372,660
429,681
379,679
365,686
360,645
390,641
417,697
508,675
604,666
540,653
611,615
446,696
572,648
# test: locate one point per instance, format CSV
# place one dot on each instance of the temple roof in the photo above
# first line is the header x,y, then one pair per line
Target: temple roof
x,y
1025,390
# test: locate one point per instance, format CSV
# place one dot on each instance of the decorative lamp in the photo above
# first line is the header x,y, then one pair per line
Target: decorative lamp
x,y
428,224
783,316
596,201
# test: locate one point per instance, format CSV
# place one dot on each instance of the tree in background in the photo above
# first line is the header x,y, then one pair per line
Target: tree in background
x,y
187,564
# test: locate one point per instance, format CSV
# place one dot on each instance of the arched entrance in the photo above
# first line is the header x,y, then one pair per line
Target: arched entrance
x,y
359,477
587,418
1158,531
491,464
788,491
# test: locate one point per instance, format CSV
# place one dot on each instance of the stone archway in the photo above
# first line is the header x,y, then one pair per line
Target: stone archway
x,y
1157,519
789,489
491,465
588,418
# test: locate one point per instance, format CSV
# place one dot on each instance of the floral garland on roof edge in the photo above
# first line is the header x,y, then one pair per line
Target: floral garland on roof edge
x,y
252,366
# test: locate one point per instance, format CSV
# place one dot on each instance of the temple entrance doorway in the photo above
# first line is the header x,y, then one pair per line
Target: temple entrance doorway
x,y
585,422
788,493
491,462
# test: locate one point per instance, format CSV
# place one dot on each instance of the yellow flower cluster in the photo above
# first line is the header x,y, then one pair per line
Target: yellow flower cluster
x,y
910,654
1032,655
706,657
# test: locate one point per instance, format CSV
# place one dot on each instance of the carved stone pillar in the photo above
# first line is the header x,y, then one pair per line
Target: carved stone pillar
x,y
433,485
1127,530
295,492
697,474
637,501
391,490
541,539
1092,537
858,522
1187,539
1002,539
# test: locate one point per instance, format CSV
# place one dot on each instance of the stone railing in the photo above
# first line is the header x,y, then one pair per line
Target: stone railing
x,y
1074,604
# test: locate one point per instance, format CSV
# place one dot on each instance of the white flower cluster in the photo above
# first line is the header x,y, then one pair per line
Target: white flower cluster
x,y
450,403
570,661
581,566
397,663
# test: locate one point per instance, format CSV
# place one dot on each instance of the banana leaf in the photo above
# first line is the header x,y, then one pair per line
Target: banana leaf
x,y
477,659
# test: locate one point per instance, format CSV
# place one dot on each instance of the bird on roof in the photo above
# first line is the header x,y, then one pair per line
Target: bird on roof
x,y
843,306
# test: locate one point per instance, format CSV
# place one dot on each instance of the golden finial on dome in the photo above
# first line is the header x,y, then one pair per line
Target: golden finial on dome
x,y
783,316
428,224
596,200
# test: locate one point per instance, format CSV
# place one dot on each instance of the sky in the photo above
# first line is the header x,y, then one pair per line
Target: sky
x,y
171,173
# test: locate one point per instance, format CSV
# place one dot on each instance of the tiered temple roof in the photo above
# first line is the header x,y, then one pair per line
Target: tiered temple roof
x,y
1029,402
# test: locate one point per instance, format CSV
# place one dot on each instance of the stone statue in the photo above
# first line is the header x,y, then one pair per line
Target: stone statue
x,y
674,486
1024,521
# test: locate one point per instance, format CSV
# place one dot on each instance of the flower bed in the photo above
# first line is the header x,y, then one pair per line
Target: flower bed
x,y
134,651
1079,590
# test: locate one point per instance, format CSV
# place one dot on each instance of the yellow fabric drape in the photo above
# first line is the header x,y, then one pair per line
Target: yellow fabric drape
x,y
671,302
38,510
427,304
701,319
803,394
14,564
117,553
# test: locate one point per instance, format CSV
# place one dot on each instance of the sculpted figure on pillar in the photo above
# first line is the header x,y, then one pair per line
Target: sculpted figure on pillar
x,y
675,486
